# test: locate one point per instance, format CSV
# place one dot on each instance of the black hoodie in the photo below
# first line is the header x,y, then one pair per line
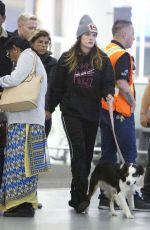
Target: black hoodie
x,y
79,92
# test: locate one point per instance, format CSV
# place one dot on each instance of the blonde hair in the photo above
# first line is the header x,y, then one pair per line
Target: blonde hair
x,y
23,17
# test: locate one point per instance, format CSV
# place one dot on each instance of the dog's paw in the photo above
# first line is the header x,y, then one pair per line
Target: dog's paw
x,y
114,214
130,216
87,210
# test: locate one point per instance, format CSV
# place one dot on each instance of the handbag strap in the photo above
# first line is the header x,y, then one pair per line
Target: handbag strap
x,y
34,63
33,70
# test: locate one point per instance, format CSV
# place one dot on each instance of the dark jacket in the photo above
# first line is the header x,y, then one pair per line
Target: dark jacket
x,y
5,68
5,63
79,92
49,63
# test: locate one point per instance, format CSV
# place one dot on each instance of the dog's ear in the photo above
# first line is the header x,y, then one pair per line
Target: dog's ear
x,y
124,167
124,171
140,170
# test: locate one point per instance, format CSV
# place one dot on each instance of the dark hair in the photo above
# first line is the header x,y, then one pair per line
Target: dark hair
x,y
37,34
119,25
18,42
2,9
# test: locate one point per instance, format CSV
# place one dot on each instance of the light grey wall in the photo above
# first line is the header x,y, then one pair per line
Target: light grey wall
x,y
13,9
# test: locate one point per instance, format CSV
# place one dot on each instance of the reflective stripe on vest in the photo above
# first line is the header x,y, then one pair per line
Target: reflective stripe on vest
x,y
120,104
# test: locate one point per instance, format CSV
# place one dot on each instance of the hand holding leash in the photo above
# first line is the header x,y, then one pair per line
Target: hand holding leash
x,y
109,98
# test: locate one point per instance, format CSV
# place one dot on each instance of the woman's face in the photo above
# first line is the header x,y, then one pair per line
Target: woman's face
x,y
41,44
88,40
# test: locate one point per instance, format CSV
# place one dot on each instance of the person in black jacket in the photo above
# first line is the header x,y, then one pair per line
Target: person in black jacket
x,y
83,75
5,68
40,41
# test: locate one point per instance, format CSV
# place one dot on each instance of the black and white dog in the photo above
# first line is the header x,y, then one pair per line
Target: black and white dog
x,y
117,181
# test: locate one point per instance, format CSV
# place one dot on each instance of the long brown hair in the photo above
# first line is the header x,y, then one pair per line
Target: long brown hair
x,y
72,57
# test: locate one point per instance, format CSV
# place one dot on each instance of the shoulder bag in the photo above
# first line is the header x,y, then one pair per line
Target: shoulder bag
x,y
23,96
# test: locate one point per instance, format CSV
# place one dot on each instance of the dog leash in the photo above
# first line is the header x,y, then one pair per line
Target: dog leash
x,y
120,156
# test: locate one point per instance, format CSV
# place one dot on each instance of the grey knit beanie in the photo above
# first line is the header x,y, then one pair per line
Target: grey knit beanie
x,y
86,25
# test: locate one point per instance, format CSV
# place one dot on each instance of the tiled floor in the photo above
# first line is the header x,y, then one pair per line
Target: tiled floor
x,y
57,215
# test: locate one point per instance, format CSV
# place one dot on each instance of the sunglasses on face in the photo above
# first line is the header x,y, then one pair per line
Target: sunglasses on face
x,y
7,54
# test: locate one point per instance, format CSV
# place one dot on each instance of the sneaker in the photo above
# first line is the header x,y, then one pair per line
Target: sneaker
x,y
82,206
20,211
71,203
39,206
104,204
141,205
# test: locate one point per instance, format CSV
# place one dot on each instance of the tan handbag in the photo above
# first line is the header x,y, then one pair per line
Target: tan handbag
x,y
23,96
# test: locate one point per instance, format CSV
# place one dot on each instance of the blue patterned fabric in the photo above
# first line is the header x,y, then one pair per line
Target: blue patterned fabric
x,y
38,151
15,185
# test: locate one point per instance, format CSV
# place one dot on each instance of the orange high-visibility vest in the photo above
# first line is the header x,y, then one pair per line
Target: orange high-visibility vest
x,y
120,104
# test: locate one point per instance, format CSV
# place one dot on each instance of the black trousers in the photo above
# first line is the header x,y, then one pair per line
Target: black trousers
x,y
48,124
1,164
3,128
81,136
146,188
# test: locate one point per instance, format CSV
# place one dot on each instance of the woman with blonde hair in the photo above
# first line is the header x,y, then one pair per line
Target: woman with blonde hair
x,y
83,75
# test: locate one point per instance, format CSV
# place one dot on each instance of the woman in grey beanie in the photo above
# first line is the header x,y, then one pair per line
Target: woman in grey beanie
x,y
83,75
86,25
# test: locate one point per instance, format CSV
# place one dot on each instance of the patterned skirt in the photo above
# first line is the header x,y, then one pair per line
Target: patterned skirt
x,y
26,156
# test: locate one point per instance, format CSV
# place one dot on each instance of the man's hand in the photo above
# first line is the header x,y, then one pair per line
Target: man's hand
x,y
109,98
125,91
144,120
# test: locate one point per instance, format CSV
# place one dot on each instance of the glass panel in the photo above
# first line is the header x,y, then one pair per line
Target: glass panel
x,y
147,61
58,18
137,62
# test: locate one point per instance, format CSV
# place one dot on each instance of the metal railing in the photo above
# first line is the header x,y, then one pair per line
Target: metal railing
x,y
62,153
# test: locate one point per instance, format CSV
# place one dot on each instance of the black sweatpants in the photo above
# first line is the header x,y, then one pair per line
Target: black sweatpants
x,y
81,136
